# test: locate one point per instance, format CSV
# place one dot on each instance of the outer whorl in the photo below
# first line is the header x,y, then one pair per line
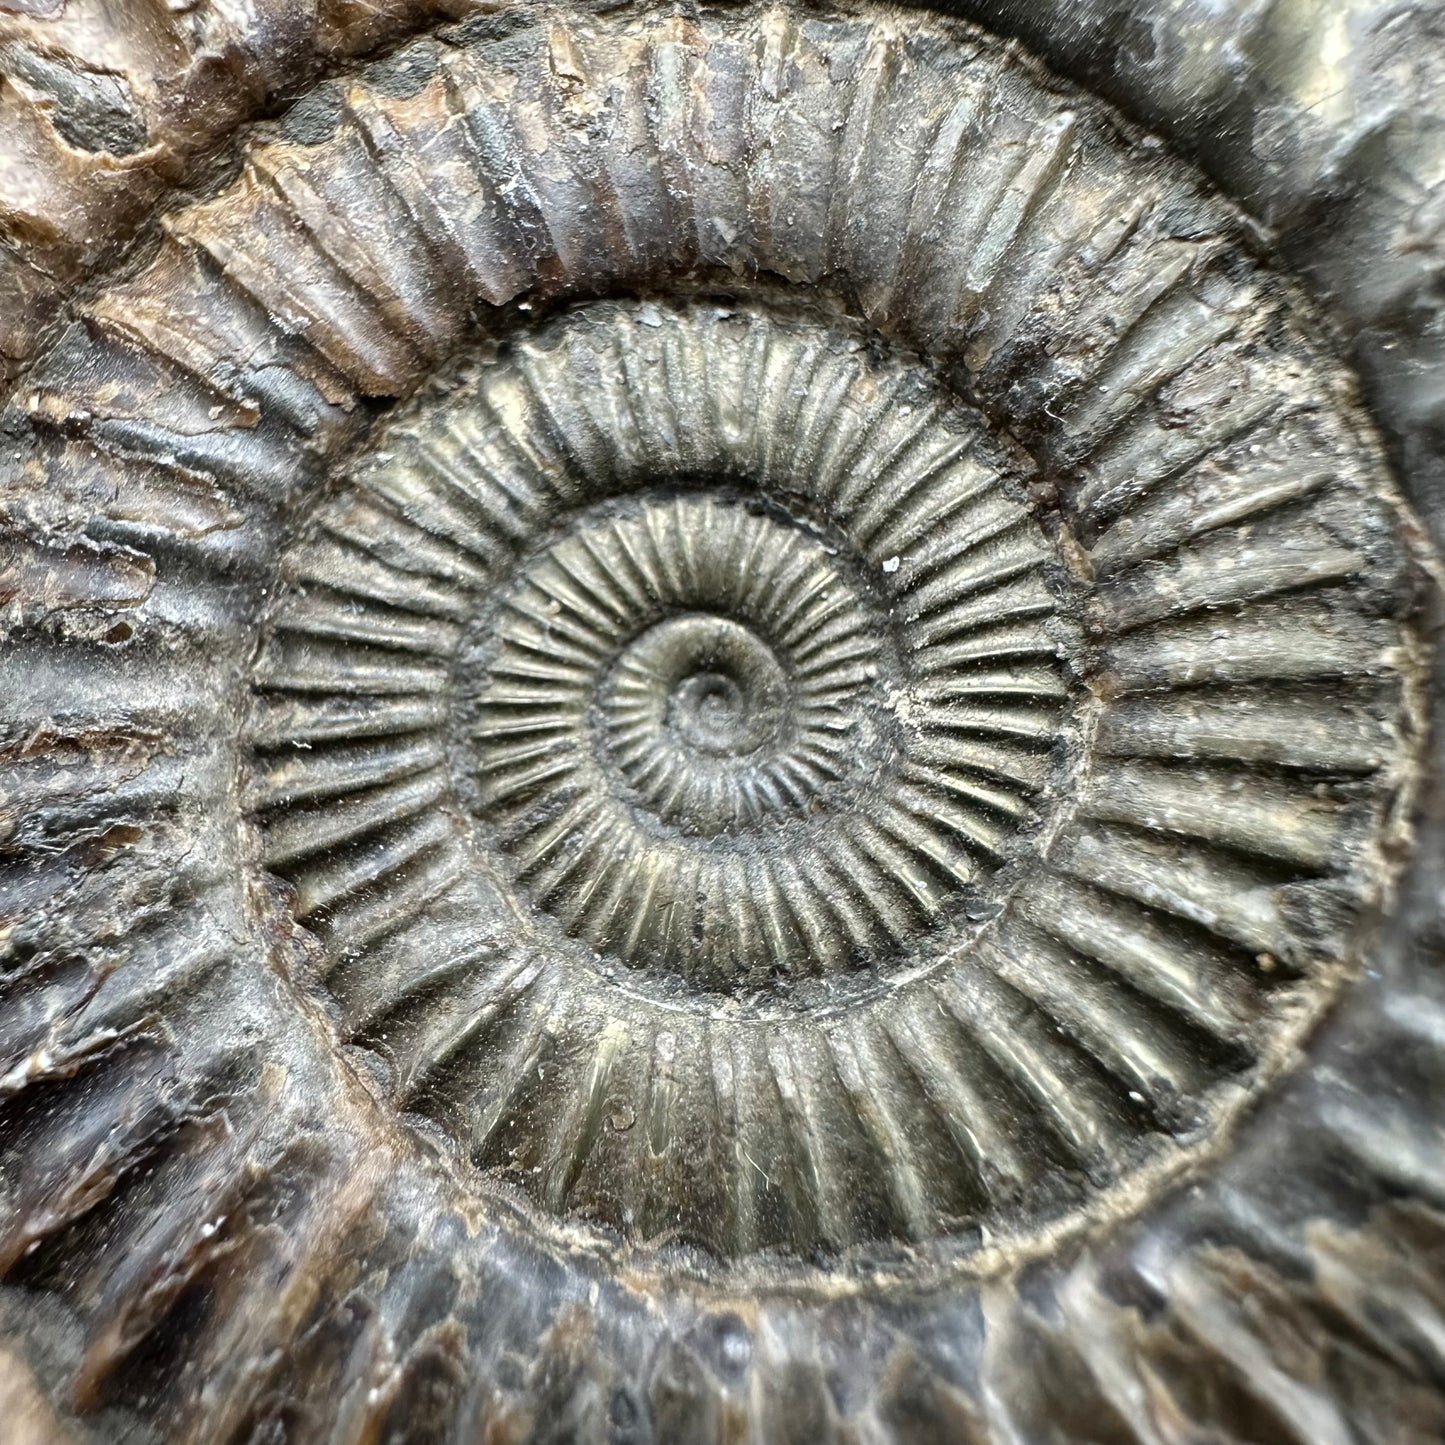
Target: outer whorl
x,y
715,718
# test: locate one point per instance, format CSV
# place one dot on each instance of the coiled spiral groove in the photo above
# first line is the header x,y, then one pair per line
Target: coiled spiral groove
x,y
829,669
737,654
810,824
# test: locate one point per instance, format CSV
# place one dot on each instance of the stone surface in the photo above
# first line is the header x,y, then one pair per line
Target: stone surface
x,y
719,726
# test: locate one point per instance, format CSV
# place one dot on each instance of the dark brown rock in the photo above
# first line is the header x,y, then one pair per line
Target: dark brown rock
x,y
719,725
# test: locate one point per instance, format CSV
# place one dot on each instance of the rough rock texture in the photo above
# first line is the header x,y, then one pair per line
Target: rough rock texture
x,y
1325,122
107,104
719,725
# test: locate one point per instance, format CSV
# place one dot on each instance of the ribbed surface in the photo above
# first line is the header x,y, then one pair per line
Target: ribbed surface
x,y
834,569
1086,864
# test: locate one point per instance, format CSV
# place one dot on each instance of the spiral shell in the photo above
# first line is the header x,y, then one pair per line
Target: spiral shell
x,y
705,708
558,539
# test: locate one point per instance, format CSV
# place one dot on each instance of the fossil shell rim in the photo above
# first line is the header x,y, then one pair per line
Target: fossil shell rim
x,y
55,393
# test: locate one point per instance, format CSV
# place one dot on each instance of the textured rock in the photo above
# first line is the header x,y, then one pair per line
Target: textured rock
x,y
717,726
107,104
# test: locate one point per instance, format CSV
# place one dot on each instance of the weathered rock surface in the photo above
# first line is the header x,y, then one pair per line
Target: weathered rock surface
x,y
721,724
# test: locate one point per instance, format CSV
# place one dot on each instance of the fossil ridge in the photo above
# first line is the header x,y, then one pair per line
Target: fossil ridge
x,y
710,726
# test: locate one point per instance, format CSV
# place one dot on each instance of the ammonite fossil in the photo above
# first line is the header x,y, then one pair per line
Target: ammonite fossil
x,y
718,725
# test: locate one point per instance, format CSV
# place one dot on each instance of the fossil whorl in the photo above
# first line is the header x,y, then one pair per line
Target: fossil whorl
x,y
756,675
730,660
105,105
